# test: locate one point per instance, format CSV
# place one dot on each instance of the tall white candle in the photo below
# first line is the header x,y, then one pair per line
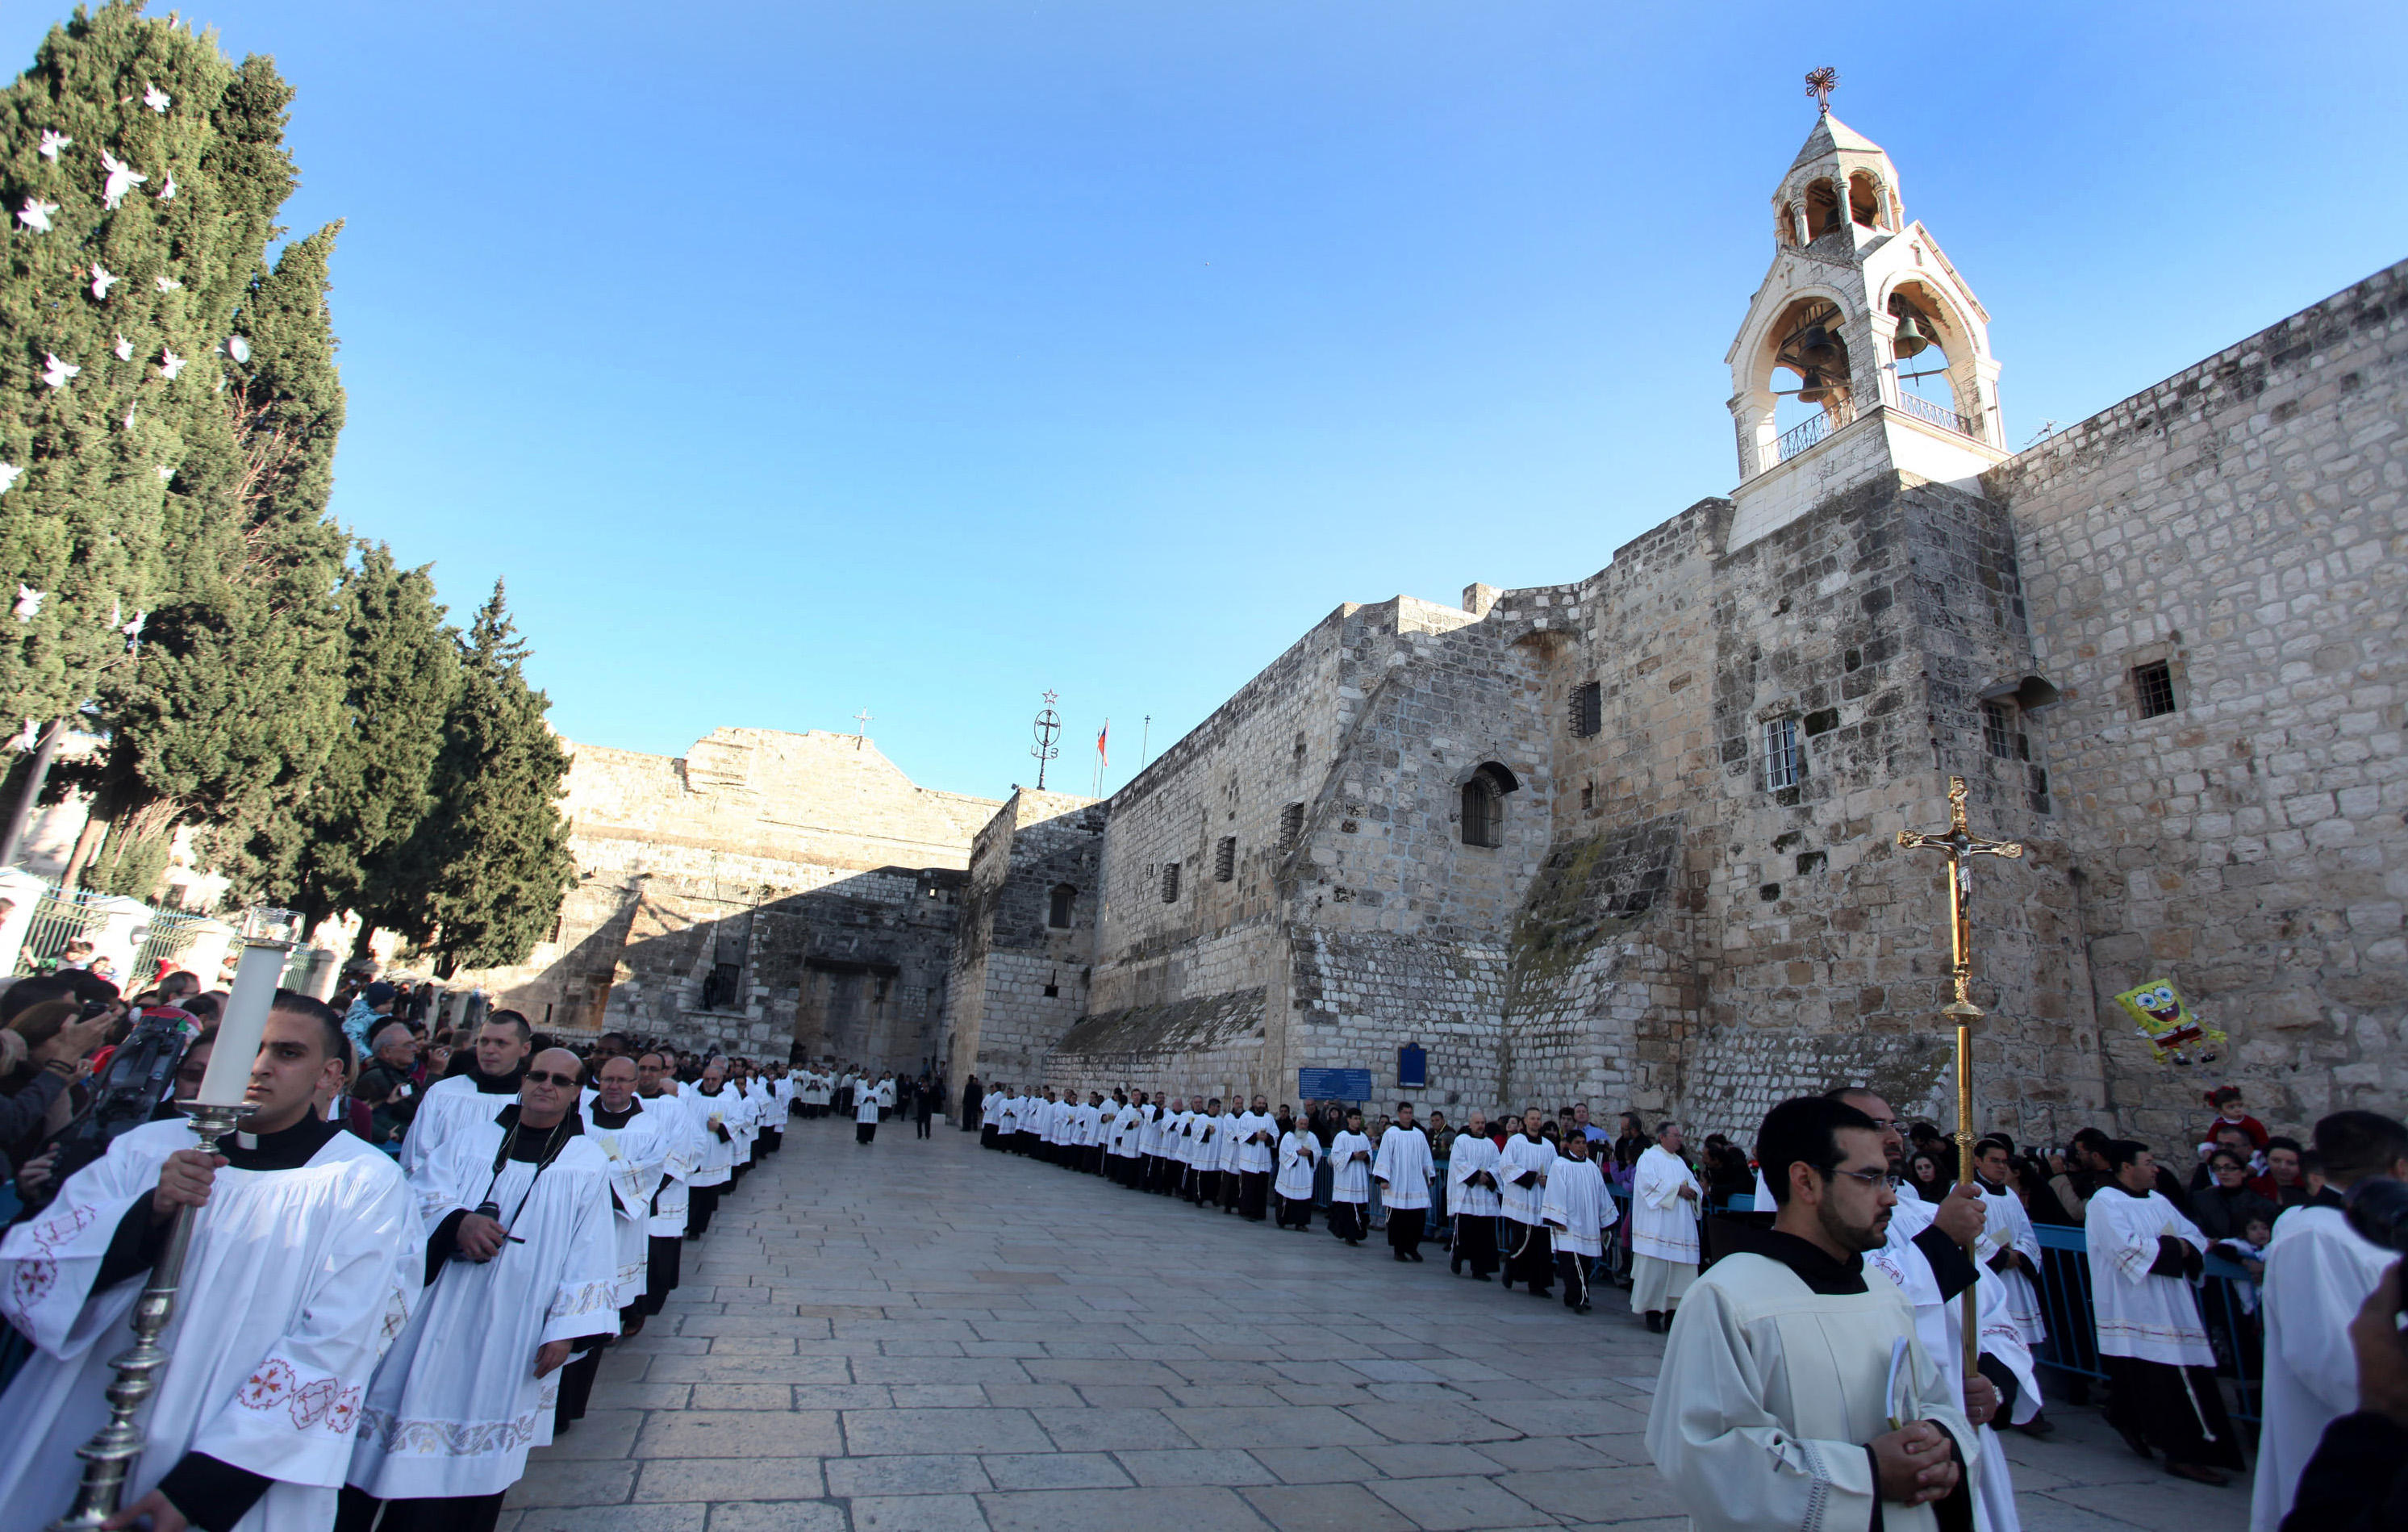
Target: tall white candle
x,y
242,1022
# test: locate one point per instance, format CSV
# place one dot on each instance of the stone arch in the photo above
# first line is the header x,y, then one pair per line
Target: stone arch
x,y
1482,804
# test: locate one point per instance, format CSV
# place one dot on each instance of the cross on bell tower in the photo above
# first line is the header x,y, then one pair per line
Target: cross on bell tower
x,y
1864,352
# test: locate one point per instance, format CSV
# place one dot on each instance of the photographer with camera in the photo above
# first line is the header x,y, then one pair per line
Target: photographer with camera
x,y
57,1036
2319,1269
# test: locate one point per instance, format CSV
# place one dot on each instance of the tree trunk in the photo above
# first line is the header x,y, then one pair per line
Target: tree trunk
x,y
20,817
360,943
86,846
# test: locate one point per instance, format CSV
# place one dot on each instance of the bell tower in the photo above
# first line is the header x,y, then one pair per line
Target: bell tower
x,y
1864,353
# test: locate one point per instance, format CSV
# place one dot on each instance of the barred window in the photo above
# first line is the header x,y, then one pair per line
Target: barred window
x,y
1291,826
1588,710
1483,805
1997,732
2153,684
1170,883
1225,859
1058,914
1784,763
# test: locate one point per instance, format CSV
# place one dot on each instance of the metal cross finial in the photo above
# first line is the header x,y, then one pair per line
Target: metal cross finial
x,y
1820,84
1047,729
861,717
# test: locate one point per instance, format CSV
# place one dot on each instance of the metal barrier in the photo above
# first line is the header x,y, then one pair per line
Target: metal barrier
x,y
2072,1344
169,935
60,916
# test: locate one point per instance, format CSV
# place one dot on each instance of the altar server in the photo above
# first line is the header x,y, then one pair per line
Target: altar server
x,y
1232,1152
2318,1272
1208,1153
656,1087
1403,1168
2014,1260
711,1104
476,1095
1299,1152
519,1258
1472,1202
637,1137
305,1255
1794,1392
1350,1179
864,1116
1663,1197
1258,1137
1522,1171
1577,1210
2160,1369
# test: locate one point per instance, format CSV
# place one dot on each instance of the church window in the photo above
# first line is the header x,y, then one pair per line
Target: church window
x,y
2001,733
1291,826
1058,915
1787,233
1588,796
2153,685
1865,200
1170,883
1588,710
1225,859
1483,805
1785,759
1822,210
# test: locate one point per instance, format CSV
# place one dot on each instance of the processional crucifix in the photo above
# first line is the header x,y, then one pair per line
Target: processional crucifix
x,y
1960,846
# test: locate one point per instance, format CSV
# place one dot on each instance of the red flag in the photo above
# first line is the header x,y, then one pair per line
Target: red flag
x,y
1100,753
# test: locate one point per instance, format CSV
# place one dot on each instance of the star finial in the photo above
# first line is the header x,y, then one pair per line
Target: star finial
x,y
1820,84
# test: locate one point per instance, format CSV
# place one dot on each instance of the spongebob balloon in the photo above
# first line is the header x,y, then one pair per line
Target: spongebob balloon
x,y
2165,1019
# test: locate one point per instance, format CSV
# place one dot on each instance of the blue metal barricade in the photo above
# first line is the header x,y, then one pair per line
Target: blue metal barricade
x,y
2226,1299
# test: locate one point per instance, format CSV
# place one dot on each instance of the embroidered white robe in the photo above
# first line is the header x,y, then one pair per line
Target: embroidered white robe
x,y
2008,1227
674,1118
1253,1157
1663,1224
1473,1154
1350,1166
2318,1271
1523,1155
445,1107
294,1283
456,1404
1403,1167
711,1114
1298,1152
1577,1207
2153,1318
638,1153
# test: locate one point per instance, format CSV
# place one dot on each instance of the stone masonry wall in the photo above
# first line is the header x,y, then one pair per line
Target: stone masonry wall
x,y
1020,982
2243,522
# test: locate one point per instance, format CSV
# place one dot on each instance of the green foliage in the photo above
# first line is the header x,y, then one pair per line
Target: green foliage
x,y
91,520
481,881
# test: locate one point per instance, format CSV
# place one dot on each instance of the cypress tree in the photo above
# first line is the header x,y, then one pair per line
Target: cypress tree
x,y
481,881
325,851
233,704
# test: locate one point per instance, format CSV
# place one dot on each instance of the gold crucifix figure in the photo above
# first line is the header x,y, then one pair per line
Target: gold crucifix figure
x,y
1960,846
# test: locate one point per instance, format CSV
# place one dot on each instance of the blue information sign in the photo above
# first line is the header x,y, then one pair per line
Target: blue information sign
x,y
1412,1067
1333,1084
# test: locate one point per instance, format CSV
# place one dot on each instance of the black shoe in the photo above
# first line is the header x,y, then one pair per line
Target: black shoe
x,y
2138,1444
1580,1307
1350,1243
2038,1426
1413,1255
1655,1322
1399,1255
1480,1276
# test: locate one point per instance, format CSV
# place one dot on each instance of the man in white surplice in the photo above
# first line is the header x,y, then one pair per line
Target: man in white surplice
x,y
1795,1393
2009,1228
1473,1200
2152,1343
1350,1179
523,1265
2318,1271
305,1255
656,1087
1577,1210
477,1093
1522,1168
637,1141
1404,1168
1664,1199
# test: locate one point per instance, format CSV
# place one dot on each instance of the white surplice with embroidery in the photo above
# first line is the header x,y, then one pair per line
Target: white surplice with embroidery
x,y
1577,1207
1474,1153
1403,1167
1298,1152
674,1117
638,1153
1350,1177
443,1108
1523,1155
456,1404
711,1115
2010,1227
1663,1223
294,1283
2154,1319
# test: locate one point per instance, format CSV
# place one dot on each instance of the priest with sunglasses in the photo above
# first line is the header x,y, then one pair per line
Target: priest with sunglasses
x,y
521,1265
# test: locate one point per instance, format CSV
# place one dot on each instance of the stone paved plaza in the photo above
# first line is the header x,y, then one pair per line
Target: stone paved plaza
x,y
922,1337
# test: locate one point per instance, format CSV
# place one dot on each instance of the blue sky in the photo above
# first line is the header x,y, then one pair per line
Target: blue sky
x,y
794,358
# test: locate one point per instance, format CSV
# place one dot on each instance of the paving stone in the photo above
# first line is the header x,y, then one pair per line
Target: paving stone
x,y
910,1431
730,1478
918,1513
1195,1466
1453,1505
1109,1430
768,1516
1054,1471
740,1433
1325,1508
655,1518
1182,1510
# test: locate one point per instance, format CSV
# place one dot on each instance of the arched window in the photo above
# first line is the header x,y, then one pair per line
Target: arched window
x,y
1058,914
1822,209
1483,805
1865,200
1787,232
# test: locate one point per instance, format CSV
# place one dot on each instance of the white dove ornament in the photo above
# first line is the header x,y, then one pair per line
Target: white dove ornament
x,y
170,365
157,99
168,285
132,630
35,214
53,141
102,280
57,372
167,193
124,349
29,602
8,475
122,178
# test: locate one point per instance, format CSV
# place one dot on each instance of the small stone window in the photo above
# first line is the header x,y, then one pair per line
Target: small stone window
x,y
1588,710
1170,883
1784,761
1058,913
2153,688
1483,805
1291,826
1225,859
2000,735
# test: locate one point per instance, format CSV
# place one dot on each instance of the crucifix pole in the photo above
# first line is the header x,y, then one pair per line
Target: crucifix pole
x,y
1959,845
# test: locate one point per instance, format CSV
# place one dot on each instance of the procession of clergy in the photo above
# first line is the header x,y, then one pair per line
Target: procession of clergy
x,y
364,1342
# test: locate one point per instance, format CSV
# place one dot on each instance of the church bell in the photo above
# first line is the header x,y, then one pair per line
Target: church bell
x,y
1911,340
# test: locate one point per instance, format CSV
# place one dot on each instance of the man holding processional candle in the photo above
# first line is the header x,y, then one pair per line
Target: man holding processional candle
x,y
300,1262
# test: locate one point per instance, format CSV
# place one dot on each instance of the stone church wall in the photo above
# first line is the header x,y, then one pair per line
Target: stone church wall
x,y
2243,522
1019,981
